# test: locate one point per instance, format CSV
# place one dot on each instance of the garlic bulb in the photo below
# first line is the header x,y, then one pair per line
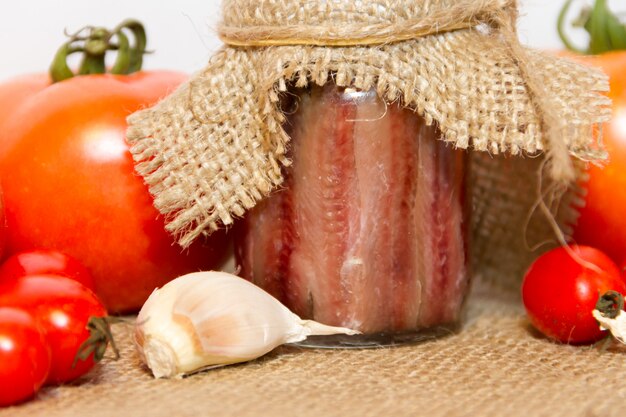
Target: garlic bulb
x,y
210,319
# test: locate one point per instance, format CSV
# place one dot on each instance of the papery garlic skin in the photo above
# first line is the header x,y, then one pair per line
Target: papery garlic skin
x,y
209,319
616,326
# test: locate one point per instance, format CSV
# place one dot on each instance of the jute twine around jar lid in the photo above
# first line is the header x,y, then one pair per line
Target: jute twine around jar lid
x,y
215,147
349,23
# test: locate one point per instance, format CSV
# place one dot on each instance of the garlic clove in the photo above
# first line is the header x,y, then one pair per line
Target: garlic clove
x,y
210,319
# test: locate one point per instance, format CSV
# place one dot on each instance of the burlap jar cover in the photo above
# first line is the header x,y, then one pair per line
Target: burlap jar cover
x,y
216,146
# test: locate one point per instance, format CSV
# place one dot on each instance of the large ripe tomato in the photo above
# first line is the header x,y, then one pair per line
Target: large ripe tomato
x,y
42,261
559,293
24,356
15,91
69,184
3,229
63,308
602,222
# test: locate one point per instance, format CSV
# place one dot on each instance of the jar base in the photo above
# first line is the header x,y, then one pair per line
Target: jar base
x,y
376,340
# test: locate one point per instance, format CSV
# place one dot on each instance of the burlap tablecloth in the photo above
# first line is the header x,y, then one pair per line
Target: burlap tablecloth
x,y
496,366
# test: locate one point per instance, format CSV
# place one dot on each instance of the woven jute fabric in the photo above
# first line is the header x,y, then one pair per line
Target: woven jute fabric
x,y
348,22
496,366
509,229
215,147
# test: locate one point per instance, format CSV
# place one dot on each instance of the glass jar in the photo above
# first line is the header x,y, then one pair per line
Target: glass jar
x,y
370,230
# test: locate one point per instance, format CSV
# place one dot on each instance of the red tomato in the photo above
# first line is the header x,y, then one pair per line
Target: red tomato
x,y
602,223
24,356
63,307
16,90
69,184
560,294
3,228
37,262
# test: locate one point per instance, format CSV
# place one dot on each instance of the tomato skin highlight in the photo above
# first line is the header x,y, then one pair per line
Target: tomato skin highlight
x,y
24,356
62,308
559,293
41,261
70,185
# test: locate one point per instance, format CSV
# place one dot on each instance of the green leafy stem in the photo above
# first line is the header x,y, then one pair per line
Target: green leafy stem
x,y
606,31
94,43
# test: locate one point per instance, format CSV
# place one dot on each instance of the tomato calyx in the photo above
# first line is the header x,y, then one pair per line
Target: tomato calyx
x,y
100,336
606,31
610,304
94,43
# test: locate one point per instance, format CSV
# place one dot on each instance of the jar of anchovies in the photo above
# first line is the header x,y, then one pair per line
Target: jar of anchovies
x,y
370,230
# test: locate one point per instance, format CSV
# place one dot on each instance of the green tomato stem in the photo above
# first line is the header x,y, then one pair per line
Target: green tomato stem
x,y
610,304
137,51
100,337
94,46
561,29
606,31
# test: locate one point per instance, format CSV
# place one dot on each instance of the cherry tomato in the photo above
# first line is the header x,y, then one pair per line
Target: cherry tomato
x,y
24,356
560,294
42,261
63,308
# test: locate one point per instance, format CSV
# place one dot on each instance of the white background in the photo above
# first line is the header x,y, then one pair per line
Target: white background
x,y
181,32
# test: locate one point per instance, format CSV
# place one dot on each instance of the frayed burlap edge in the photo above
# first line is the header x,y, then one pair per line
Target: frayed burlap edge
x,y
216,146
